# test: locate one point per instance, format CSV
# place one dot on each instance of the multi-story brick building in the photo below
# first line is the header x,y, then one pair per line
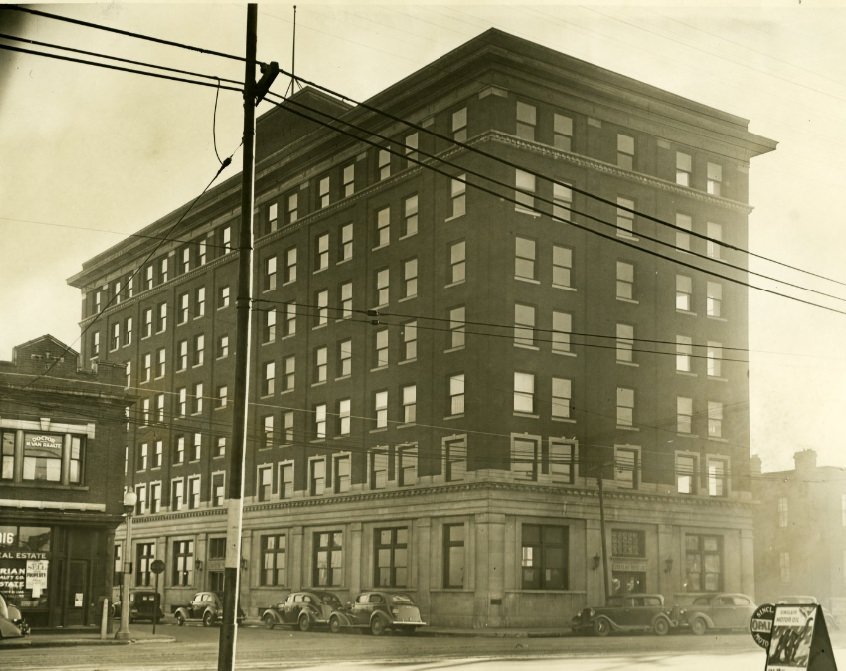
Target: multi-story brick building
x,y
63,434
440,372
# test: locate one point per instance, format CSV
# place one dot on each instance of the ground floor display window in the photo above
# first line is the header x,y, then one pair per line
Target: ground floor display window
x,y
544,560
24,564
703,563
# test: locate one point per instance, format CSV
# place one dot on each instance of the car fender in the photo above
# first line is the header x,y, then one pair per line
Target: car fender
x,y
703,616
343,617
183,610
213,611
614,626
272,612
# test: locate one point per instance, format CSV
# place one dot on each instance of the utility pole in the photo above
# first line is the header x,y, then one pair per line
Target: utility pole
x,y
235,503
602,535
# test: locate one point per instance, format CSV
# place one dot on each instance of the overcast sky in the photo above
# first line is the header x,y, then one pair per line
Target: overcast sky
x,y
90,155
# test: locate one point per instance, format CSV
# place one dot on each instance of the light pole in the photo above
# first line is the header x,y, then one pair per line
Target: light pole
x,y
129,499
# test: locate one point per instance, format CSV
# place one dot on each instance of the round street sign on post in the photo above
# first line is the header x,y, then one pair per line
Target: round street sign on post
x,y
761,624
157,567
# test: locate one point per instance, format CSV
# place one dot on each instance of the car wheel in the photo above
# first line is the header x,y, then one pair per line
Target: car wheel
x,y
699,626
378,626
304,622
208,619
334,625
660,627
601,627
269,621
180,619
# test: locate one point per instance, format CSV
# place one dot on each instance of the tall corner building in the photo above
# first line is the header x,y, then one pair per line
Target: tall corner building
x,y
461,328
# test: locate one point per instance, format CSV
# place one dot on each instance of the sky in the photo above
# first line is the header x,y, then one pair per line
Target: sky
x,y
89,156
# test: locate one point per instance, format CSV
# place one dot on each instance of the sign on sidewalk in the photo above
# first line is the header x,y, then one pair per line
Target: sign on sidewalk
x,y
799,640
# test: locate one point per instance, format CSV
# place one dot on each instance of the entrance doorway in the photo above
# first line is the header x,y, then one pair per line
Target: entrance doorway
x,y
77,594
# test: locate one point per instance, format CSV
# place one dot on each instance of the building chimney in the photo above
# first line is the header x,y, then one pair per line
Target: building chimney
x,y
806,462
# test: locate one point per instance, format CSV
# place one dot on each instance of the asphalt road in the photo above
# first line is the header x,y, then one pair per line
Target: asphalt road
x,y
195,649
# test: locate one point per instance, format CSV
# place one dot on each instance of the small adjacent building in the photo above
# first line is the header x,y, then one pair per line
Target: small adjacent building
x,y
800,532
63,436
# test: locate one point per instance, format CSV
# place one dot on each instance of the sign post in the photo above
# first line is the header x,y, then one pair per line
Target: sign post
x,y
157,567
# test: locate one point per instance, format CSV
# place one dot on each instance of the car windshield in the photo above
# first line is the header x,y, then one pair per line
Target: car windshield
x,y
329,599
402,598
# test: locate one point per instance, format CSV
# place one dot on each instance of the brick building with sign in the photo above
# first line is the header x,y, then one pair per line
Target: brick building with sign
x,y
443,365
63,434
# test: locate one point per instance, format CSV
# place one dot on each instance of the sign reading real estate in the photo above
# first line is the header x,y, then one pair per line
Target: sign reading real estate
x,y
12,578
799,640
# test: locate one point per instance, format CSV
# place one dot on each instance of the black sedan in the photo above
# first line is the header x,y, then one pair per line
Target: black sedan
x,y
378,612
629,612
719,611
302,609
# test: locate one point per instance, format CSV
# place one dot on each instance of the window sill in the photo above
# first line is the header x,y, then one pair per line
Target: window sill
x,y
407,298
686,373
534,348
629,364
628,236
562,287
407,361
718,378
384,367
378,247
343,261
687,435
717,318
717,439
524,210
454,349
561,353
407,236
527,280
630,301
343,318
319,326
527,415
622,427
320,270
564,420
453,217
342,377
454,284
459,416
689,313
319,383
380,429
407,425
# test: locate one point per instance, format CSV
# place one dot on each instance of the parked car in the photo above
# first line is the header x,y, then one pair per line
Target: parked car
x,y
719,611
143,605
206,607
627,612
302,609
831,620
378,611
12,623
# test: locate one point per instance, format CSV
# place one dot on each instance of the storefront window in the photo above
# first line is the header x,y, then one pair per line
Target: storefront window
x,y
703,563
24,563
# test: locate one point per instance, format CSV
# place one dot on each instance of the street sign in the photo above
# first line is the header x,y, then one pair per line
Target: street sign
x,y
761,624
799,640
158,566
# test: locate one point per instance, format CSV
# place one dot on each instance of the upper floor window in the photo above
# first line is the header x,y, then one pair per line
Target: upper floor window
x,y
37,456
323,192
411,145
525,190
321,252
713,248
341,474
346,242
455,391
714,304
380,407
382,286
562,266
627,467
562,201
407,465
269,278
715,419
384,159
410,213
625,280
456,327
409,404
717,476
457,262
455,459
527,120
562,330
459,125
684,293
524,392
625,406
562,132
409,280
291,208
524,325
625,343
348,177
625,217
562,397
383,227
685,223
458,189
686,468
782,512
714,358
684,353
684,168
524,258
715,179
272,217
625,151
409,340
684,414
290,265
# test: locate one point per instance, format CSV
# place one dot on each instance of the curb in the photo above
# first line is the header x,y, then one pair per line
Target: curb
x,y
63,641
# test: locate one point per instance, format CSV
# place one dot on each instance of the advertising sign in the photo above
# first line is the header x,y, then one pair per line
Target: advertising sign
x,y
12,578
761,624
36,577
799,640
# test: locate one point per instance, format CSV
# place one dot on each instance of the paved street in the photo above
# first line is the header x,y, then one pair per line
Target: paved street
x,y
195,648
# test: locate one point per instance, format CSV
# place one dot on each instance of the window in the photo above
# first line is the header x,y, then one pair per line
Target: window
x,y
144,558
686,468
194,492
456,327
185,263
145,412
525,190
177,493
348,178
380,409
784,567
717,476
321,301
628,543
183,563
140,459
409,341
411,144
457,262
384,162
290,265
454,558
455,459
456,394
407,465
562,132
321,252
199,350
147,323
378,476
197,398
95,343
562,329
226,239
562,461
391,553
715,179
155,497
625,406
410,216
713,248
409,283
288,372
140,499
160,401
625,343
685,223
562,266
148,277
290,318
220,446
409,404
382,286
199,302
684,293
272,217
268,383
627,467
625,151
524,392
525,458
179,450
714,304
625,217
684,168
163,270
286,480
562,397
625,280
183,308
459,125
341,473
345,251
344,358
320,364
343,428
457,193
527,119
684,352
182,402
268,432
380,348
703,563
524,325
714,359
222,346
222,396
196,447
264,483
269,277
715,419
684,414
161,356
291,208
562,201
524,258
544,557
268,325
114,341
328,565
317,475
181,355
323,192
782,512
273,560
320,420
43,456
218,493
288,426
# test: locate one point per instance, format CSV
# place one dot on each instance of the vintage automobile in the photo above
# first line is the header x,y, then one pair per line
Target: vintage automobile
x,y
719,611
378,612
302,609
831,619
206,607
143,605
627,612
12,623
